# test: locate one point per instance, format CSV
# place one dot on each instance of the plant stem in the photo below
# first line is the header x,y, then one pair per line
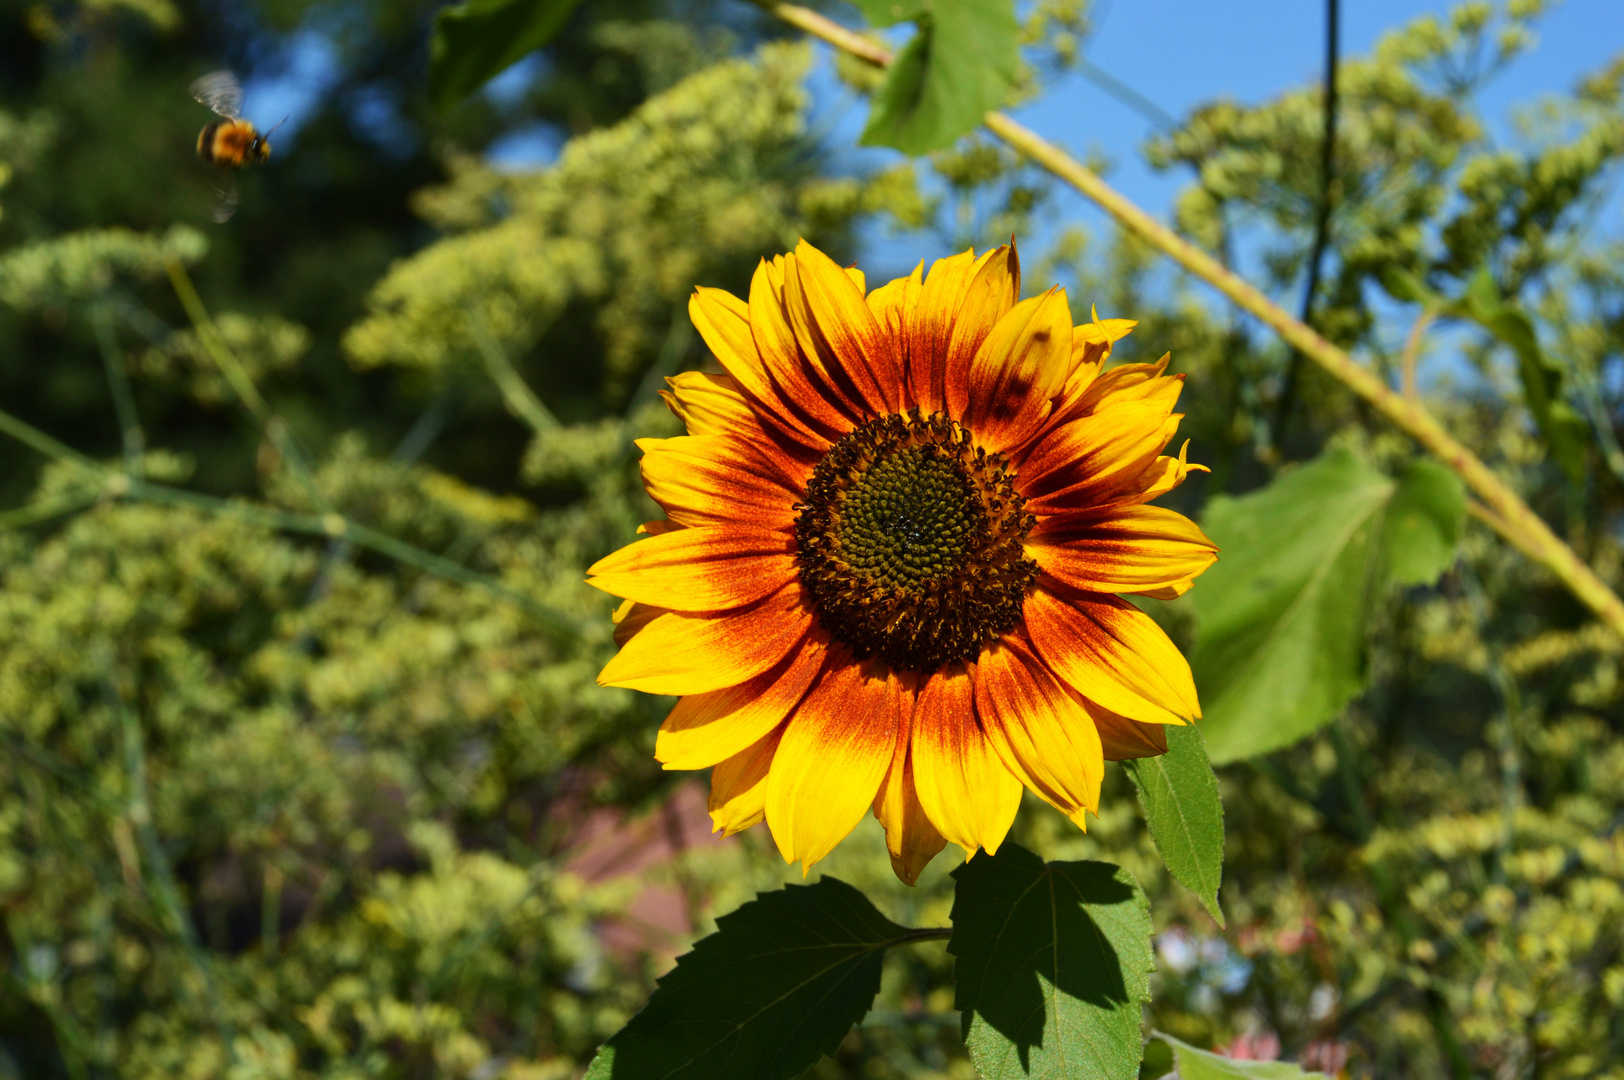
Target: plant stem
x,y
236,376
1514,519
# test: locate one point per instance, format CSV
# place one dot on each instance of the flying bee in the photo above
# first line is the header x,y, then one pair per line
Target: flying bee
x,y
231,142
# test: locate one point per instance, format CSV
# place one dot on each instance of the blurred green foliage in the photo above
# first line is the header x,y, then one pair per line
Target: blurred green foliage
x,y
281,800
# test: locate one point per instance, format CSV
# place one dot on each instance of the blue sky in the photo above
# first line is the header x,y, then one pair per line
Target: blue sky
x,y
1180,54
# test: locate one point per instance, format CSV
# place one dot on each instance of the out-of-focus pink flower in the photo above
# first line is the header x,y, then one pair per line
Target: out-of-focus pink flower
x,y
1326,1055
1259,1045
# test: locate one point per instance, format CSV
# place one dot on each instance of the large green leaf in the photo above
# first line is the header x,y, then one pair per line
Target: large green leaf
x,y
1193,1064
960,64
1281,617
1566,434
1180,796
475,40
1052,963
780,983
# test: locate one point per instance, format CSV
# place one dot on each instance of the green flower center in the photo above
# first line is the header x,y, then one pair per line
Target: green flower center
x,y
910,543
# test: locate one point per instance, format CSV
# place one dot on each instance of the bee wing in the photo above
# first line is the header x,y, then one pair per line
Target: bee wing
x,y
225,204
220,91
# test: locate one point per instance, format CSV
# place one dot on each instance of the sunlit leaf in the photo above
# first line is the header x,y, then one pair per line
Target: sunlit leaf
x,y
1281,616
1180,797
778,985
961,64
1052,963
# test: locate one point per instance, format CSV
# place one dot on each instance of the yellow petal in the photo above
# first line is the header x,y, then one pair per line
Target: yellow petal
x,y
1040,729
706,728
932,327
1003,398
738,794
910,838
701,569
681,654
1125,549
965,789
1112,653
835,752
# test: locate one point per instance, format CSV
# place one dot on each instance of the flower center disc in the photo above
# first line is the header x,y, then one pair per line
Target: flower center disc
x,y
910,543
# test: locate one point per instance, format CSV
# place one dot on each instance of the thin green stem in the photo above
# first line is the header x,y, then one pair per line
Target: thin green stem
x,y
236,376
118,385
46,509
331,525
924,933
520,400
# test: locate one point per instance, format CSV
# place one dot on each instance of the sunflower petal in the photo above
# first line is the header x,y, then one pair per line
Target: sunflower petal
x,y
1004,396
701,569
738,794
1086,462
893,304
703,729
630,617
684,654
712,481
1039,727
723,321
932,327
991,293
794,383
967,792
1112,653
910,838
1127,549
833,322
836,750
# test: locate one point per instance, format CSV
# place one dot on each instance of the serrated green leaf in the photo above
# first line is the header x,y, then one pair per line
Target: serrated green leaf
x,y
882,13
778,985
961,64
1052,964
1565,432
1423,523
1281,616
1179,794
476,40
1193,1064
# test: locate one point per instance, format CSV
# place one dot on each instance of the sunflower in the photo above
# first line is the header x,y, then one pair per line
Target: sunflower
x,y
897,537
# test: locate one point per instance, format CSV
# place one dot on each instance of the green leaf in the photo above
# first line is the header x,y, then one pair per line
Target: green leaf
x,y
1565,432
1180,796
1052,963
961,64
780,983
475,40
1423,523
882,13
1281,616
1401,284
1193,1064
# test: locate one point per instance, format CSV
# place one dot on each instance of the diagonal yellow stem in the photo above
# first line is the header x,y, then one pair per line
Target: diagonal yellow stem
x,y
1512,518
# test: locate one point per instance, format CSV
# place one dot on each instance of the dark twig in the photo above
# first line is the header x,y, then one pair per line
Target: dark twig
x,y
1322,227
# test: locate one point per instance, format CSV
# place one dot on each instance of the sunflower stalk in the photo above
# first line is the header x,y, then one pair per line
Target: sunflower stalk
x,y
1509,515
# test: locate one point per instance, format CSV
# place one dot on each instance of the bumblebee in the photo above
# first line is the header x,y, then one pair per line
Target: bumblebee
x,y
230,142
